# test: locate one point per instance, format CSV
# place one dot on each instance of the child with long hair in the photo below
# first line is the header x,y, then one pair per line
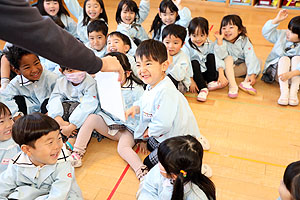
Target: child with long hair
x,y
286,55
92,9
235,56
169,12
129,18
178,174
200,50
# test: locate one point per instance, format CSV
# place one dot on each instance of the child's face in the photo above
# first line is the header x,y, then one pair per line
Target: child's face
x,y
292,37
231,32
6,124
173,44
97,40
283,192
127,15
116,44
51,7
93,9
47,149
150,71
30,67
198,38
168,17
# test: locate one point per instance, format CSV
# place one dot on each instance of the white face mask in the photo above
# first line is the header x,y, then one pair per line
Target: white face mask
x,y
76,77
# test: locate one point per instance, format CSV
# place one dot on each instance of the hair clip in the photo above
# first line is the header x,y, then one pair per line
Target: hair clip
x,y
183,173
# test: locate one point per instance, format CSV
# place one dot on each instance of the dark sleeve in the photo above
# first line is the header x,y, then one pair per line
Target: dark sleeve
x,y
23,25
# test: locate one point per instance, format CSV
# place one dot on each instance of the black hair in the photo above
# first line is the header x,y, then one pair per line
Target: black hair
x,y
294,25
291,179
123,59
29,128
175,30
102,15
152,49
123,37
234,20
130,6
62,9
98,26
185,153
4,110
200,24
14,55
157,22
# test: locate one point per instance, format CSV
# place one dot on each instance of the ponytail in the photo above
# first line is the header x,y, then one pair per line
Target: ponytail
x,y
178,189
156,26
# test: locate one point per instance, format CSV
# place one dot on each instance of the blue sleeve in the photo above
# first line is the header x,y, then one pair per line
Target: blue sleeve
x,y
8,96
7,186
220,54
143,10
150,185
251,60
54,106
74,7
185,17
270,31
179,69
71,26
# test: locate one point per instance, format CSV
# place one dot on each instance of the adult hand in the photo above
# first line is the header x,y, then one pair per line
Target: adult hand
x,y
111,64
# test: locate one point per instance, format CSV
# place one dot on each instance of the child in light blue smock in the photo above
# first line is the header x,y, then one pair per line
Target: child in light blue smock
x,y
30,90
73,99
235,56
170,12
42,169
8,147
91,10
200,50
180,69
178,174
110,126
164,111
130,17
286,55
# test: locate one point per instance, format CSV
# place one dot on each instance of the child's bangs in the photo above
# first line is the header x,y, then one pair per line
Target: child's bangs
x,y
169,4
4,111
51,0
227,21
130,6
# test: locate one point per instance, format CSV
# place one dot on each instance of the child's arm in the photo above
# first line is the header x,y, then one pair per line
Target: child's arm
x,y
5,72
288,75
8,97
74,7
8,186
55,108
251,60
71,26
282,15
184,13
132,111
144,9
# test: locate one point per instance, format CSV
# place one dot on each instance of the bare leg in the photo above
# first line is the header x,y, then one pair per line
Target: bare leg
x,y
229,71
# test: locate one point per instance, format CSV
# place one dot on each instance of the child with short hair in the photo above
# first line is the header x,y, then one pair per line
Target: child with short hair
x,y
164,111
129,18
73,99
97,33
235,55
30,90
169,12
200,50
92,10
8,147
286,55
180,69
178,174
289,188
41,170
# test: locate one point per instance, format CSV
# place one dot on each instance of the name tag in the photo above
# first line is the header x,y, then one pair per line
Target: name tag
x,y
5,161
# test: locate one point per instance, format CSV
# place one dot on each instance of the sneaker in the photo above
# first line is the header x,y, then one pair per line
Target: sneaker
x,y
76,160
247,87
202,96
233,92
204,142
142,172
214,85
206,170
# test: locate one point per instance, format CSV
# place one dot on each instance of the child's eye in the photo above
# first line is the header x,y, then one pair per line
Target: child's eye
x,y
1,122
99,37
137,65
37,63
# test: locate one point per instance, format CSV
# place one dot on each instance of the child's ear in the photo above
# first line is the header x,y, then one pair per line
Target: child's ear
x,y
26,149
127,48
61,71
16,70
165,65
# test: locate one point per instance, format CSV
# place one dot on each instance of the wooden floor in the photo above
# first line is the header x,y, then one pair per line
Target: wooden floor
x,y
252,138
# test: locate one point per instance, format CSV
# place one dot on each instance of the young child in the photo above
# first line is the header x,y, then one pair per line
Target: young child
x,y
286,55
165,112
129,18
30,90
97,33
289,188
8,147
180,69
169,12
92,10
178,174
73,99
56,10
41,170
119,42
235,55
112,127
200,49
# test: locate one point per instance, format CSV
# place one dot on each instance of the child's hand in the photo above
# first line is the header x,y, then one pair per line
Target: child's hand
x,y
145,135
178,4
193,87
143,147
219,37
282,15
251,79
170,58
132,111
68,130
285,76
222,80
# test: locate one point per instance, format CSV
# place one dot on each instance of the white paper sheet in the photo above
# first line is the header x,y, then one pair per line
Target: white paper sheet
x,y
109,90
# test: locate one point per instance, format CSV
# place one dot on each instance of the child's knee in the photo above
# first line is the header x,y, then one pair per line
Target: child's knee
x,y
284,59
